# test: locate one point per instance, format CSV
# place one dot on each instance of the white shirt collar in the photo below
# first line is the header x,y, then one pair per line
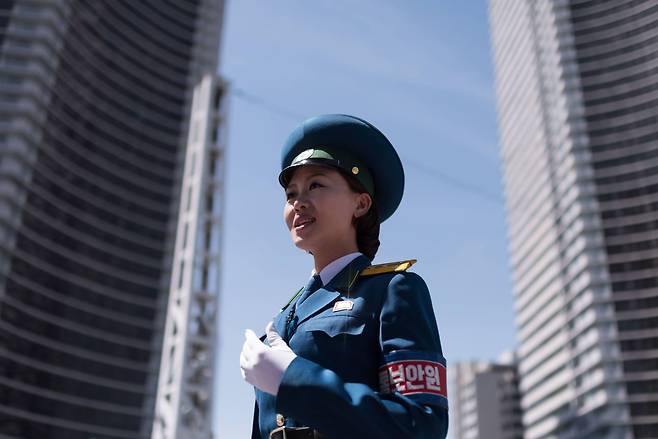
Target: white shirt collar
x,y
334,267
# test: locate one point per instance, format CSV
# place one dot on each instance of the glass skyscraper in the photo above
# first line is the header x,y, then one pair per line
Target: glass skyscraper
x,y
95,104
577,91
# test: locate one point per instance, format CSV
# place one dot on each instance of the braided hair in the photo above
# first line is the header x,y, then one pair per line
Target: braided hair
x,y
367,225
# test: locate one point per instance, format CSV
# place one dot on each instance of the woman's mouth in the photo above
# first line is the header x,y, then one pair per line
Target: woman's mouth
x,y
302,223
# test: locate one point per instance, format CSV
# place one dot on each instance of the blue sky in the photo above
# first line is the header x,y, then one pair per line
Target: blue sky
x,y
421,72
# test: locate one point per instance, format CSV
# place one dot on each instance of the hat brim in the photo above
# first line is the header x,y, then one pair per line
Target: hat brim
x,y
286,174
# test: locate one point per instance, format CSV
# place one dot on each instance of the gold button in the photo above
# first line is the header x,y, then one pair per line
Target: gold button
x,y
280,420
355,170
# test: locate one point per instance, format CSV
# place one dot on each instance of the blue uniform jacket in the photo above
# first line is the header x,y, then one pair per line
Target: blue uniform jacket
x,y
371,371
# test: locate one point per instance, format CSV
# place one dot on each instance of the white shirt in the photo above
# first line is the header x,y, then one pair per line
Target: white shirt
x,y
334,267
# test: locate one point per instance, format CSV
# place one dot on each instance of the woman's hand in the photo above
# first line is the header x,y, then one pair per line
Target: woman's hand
x,y
263,366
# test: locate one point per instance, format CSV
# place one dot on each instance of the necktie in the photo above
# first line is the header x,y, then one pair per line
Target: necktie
x,y
312,286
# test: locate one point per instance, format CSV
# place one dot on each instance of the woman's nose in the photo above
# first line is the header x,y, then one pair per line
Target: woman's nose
x,y
300,202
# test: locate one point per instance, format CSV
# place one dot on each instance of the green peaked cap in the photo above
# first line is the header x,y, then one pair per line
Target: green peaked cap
x,y
353,146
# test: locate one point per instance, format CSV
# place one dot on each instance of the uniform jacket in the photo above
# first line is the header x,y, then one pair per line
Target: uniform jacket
x,y
370,369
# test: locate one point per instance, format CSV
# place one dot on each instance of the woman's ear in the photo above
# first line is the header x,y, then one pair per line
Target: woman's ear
x,y
363,203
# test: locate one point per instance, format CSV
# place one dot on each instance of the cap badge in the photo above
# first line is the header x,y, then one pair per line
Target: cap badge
x,y
303,155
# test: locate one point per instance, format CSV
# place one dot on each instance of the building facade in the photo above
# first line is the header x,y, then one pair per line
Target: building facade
x,y
485,402
95,107
577,95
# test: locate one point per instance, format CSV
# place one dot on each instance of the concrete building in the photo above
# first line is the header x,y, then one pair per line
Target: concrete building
x,y
485,401
110,180
577,92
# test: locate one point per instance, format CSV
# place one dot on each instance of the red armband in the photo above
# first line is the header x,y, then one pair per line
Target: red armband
x,y
418,375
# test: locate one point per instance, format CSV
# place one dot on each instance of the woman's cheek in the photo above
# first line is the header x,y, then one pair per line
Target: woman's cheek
x,y
288,215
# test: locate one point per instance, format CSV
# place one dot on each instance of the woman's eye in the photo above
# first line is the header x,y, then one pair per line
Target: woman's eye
x,y
290,195
314,185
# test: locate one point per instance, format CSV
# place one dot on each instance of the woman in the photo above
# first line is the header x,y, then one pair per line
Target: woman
x,y
355,353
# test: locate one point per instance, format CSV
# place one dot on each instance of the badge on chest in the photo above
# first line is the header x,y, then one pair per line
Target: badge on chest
x,y
343,305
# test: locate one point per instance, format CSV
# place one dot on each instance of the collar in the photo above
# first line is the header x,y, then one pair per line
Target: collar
x,y
335,266
341,283
348,274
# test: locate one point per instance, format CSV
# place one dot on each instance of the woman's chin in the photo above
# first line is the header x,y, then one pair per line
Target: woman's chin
x,y
302,243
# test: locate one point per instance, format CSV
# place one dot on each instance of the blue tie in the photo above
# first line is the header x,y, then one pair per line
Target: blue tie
x,y
312,286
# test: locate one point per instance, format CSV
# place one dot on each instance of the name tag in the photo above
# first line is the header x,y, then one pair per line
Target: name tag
x,y
343,305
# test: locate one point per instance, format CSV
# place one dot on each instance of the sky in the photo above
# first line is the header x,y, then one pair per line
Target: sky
x,y
419,71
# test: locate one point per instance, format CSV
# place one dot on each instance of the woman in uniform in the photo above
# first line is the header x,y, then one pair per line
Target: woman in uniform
x,y
356,352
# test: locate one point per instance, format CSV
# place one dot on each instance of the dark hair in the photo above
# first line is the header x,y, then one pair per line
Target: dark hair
x,y
367,225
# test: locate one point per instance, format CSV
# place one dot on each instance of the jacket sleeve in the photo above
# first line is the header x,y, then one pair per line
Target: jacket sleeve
x,y
404,407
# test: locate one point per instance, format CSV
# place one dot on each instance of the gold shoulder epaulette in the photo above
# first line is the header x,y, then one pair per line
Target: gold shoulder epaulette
x,y
389,267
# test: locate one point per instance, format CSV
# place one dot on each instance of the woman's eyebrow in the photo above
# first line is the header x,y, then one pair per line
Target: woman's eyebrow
x,y
317,174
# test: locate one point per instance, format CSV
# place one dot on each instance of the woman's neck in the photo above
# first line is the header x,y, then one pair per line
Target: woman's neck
x,y
324,258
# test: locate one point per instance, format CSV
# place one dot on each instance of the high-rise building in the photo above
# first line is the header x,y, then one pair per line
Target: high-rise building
x,y
577,94
110,202
485,402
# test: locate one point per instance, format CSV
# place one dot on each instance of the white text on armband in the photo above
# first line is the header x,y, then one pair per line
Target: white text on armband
x,y
413,373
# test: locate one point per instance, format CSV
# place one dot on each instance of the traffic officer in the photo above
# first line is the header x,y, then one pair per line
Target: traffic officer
x,y
356,352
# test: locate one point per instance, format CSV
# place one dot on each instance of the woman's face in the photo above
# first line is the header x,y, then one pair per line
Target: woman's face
x,y
319,210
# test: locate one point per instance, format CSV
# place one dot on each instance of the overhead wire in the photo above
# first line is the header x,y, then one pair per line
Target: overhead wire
x,y
428,170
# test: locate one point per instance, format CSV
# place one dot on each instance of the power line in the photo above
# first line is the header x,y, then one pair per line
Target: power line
x,y
430,171
454,182
258,101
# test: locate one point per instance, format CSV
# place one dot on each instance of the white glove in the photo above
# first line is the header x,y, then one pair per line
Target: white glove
x,y
263,366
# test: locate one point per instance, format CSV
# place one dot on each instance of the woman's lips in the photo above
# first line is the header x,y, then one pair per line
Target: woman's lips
x,y
302,223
